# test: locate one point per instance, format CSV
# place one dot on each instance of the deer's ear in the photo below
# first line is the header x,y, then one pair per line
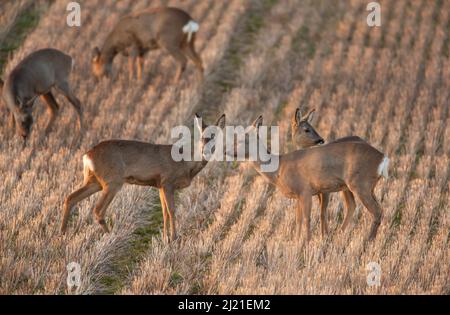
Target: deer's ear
x,y
221,122
258,122
198,122
95,54
310,116
297,117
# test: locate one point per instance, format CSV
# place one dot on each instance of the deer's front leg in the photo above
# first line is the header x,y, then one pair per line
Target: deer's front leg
x,y
140,63
132,56
165,213
298,219
131,63
170,203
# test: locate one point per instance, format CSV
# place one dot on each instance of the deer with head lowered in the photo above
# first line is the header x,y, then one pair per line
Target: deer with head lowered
x,y
349,165
111,164
305,136
134,35
34,77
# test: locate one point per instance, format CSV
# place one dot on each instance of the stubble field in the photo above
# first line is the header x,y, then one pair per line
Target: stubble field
x,y
388,85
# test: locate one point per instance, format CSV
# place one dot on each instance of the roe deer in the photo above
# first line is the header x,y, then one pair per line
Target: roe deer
x,y
169,28
304,136
348,165
35,76
110,164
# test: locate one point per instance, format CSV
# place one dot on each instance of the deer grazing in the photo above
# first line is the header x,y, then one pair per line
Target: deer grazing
x,y
304,136
168,28
349,165
35,76
111,164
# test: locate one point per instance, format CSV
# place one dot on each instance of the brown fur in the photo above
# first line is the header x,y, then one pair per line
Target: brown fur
x,y
34,77
111,164
337,166
140,32
305,136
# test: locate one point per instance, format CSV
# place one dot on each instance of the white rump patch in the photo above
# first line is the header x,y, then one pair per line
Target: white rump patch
x,y
189,28
87,163
383,167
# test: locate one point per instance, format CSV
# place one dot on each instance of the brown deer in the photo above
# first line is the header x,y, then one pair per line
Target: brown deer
x,y
168,28
338,166
110,164
35,76
304,136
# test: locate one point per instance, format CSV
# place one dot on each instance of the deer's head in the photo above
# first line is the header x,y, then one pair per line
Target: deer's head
x,y
99,65
21,108
303,134
209,135
246,143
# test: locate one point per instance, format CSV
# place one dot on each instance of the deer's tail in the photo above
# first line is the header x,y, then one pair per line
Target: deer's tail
x,y
383,167
189,28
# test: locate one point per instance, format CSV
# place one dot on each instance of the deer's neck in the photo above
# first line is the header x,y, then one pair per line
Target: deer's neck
x,y
109,51
269,167
270,176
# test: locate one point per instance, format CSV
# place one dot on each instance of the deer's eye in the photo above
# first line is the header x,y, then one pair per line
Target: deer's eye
x,y
307,130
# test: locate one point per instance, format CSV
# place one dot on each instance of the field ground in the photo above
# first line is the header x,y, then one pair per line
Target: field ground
x,y
388,84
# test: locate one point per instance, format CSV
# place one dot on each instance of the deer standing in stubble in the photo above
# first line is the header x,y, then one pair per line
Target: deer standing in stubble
x,y
33,77
110,164
349,165
305,136
168,28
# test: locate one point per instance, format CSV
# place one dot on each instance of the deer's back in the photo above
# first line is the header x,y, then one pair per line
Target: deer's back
x,y
135,162
39,71
331,166
151,25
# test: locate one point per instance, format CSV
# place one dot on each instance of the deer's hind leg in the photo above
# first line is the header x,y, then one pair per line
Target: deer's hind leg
x,y
367,197
350,204
90,187
52,107
192,55
307,215
76,104
324,198
179,56
109,191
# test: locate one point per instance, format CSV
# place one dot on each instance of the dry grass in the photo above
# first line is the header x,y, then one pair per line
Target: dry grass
x,y
389,85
